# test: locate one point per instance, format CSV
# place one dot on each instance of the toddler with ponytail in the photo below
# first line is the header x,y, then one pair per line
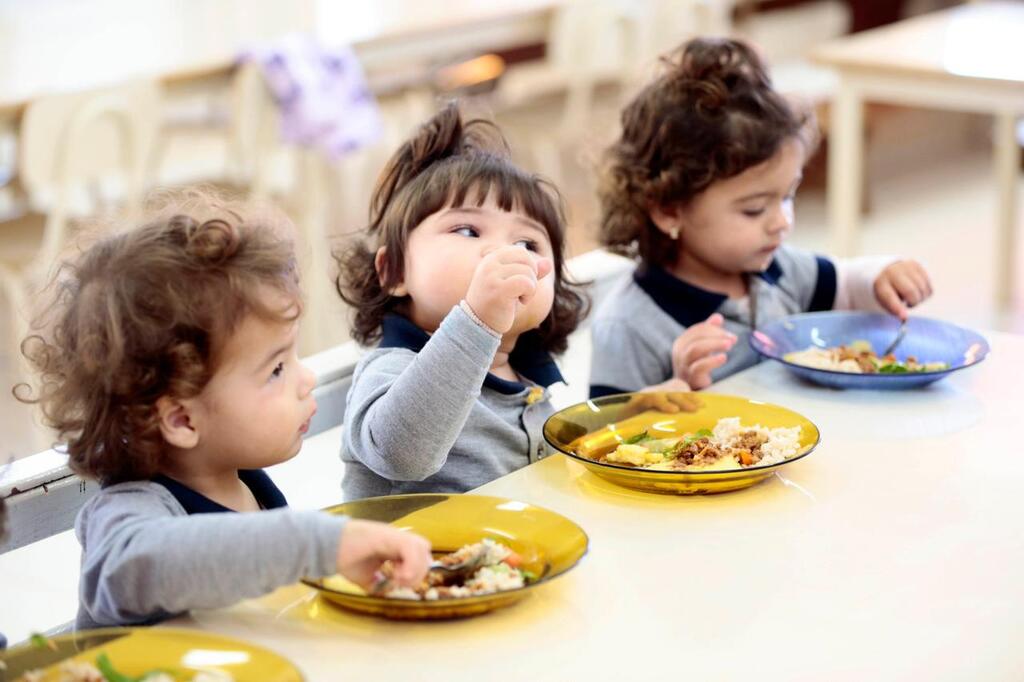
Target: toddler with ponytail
x,y
459,281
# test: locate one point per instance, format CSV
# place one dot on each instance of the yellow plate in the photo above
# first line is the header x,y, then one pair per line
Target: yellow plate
x,y
135,651
548,543
599,425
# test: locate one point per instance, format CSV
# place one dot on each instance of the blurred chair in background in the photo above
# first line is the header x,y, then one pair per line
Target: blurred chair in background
x,y
595,46
77,153
785,36
590,44
253,133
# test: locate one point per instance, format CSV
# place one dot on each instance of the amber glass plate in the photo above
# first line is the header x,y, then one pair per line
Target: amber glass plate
x,y
597,426
548,543
135,651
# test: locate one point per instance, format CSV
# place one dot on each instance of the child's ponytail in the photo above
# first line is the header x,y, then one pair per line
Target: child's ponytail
x,y
436,139
714,70
442,137
447,162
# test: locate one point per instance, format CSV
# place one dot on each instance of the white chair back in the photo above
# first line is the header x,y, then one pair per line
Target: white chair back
x,y
76,147
253,137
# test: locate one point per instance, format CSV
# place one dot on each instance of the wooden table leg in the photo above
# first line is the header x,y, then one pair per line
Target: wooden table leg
x,y
845,174
1007,170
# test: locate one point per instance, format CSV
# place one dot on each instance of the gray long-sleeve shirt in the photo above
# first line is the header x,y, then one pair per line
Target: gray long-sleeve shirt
x,y
634,328
424,415
145,558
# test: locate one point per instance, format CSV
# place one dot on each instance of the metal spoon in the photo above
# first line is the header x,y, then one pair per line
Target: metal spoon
x,y
451,573
461,569
900,333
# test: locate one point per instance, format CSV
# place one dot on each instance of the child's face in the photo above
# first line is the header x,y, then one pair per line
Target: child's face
x,y
736,224
256,408
444,250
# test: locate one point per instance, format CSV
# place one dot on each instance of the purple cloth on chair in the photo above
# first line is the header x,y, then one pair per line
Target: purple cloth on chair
x,y
322,95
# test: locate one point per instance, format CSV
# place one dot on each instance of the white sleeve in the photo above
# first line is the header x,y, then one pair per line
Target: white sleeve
x,y
855,282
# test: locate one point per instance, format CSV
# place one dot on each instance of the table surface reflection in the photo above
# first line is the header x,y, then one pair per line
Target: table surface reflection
x,y
894,551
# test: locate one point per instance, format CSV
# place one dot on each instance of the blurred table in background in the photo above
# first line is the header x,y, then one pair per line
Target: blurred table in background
x,y
192,48
969,58
44,49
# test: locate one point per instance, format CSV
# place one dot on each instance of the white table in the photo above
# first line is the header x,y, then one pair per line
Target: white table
x,y
969,58
895,551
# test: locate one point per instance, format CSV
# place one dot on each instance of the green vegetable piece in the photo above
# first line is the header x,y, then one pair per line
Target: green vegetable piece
x,y
528,576
702,433
109,672
42,642
638,438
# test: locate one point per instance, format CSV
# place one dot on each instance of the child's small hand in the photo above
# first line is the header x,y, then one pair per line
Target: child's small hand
x,y
504,279
670,396
701,349
365,545
901,286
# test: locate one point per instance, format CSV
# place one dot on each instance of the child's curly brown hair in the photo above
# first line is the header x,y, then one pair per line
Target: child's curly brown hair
x,y
711,115
143,314
450,163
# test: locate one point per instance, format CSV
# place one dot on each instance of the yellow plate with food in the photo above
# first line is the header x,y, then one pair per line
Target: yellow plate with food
x,y
501,548
152,654
681,443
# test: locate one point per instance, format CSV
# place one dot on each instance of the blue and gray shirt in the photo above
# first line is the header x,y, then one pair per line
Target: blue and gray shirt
x,y
425,415
635,326
153,549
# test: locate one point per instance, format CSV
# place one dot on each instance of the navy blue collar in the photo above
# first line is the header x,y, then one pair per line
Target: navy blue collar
x,y
685,303
263,489
528,358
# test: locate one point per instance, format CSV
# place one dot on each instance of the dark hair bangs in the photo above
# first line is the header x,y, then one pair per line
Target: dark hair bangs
x,y
472,180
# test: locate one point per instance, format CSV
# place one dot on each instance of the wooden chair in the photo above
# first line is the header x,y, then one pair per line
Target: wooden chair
x,y
573,69
74,151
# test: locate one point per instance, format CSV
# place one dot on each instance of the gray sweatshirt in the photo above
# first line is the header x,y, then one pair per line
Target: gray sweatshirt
x,y
145,557
634,328
424,414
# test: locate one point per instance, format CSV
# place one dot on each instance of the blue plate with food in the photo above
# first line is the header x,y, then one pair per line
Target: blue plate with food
x,y
841,349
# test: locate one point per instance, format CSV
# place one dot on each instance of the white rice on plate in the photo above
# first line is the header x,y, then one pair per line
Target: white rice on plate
x,y
781,444
730,445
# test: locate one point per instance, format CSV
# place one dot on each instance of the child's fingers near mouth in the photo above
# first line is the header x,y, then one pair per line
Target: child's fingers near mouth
x,y
544,267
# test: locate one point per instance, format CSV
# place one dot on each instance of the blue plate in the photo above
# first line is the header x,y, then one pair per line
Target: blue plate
x,y
928,340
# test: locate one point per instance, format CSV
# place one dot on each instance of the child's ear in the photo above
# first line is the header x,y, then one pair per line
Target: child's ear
x,y
668,219
176,422
380,264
